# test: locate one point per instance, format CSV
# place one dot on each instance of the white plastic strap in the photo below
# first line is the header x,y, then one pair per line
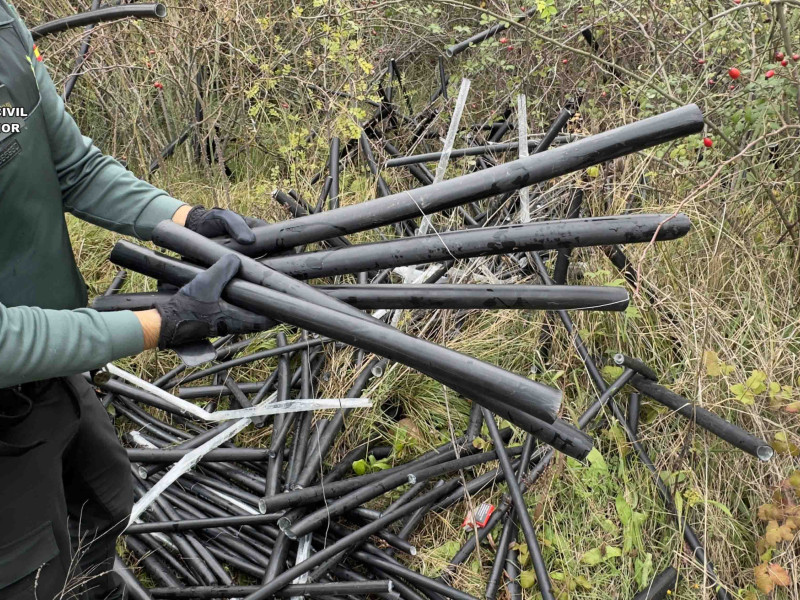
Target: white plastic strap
x,y
449,141
267,407
522,129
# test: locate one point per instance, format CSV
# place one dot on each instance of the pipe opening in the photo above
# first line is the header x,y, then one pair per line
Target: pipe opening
x,y
161,11
765,453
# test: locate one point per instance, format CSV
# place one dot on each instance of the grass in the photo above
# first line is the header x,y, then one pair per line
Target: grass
x,y
730,287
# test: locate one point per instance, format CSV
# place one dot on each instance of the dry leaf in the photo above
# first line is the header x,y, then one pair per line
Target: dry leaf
x,y
770,575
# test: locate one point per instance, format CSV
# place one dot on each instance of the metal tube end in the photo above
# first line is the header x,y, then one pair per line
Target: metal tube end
x,y
160,10
764,453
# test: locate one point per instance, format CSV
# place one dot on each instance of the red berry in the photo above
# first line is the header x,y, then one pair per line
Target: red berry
x,y
701,61
503,40
710,82
769,74
737,1
784,62
708,142
779,56
734,73
565,61
603,94
795,57
284,105
158,85
509,47
732,87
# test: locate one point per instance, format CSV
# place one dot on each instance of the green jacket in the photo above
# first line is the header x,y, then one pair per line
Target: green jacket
x,y
47,168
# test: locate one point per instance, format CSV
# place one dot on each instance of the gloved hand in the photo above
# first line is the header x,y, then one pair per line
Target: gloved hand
x,y
196,311
219,221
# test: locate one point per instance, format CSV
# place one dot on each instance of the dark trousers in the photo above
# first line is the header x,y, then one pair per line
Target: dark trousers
x,y
65,495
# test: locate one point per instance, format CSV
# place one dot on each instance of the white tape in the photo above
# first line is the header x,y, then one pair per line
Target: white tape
x,y
449,141
522,128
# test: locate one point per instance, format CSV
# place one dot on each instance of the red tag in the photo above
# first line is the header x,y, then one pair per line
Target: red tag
x,y
479,518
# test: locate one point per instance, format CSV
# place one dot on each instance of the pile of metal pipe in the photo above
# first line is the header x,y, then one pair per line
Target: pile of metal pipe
x,y
225,513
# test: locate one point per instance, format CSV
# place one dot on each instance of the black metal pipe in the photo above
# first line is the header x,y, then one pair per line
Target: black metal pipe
x,y
82,54
333,169
299,211
366,148
687,532
464,374
328,491
169,149
116,283
279,433
560,435
154,10
507,239
296,208
164,381
343,543
133,589
149,560
326,189
481,36
634,407
510,528
147,456
158,547
415,159
218,391
664,584
194,524
521,508
429,297
434,588
328,588
367,492
734,435
562,258
261,355
476,186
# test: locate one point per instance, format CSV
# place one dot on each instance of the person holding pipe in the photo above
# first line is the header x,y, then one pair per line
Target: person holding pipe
x,y
66,490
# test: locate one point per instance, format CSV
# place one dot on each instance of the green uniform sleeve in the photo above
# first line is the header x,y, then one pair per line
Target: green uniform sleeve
x,y
95,187
38,343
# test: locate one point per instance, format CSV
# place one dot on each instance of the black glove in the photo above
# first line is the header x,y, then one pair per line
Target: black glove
x,y
196,311
218,221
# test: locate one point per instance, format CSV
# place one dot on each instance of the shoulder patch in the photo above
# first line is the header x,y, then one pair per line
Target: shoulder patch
x,y
9,152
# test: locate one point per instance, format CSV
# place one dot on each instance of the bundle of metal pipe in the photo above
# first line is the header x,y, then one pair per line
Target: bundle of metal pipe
x,y
290,509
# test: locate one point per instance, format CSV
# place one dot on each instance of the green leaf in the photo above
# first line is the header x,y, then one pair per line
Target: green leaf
x,y
360,467
643,569
631,312
742,393
596,459
527,579
624,511
592,557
